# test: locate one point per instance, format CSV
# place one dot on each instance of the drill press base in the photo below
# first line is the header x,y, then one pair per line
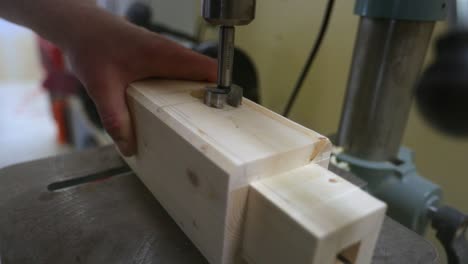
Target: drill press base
x,y
117,220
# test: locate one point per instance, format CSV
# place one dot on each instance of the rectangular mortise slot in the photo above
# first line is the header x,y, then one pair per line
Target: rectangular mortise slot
x,y
102,175
348,255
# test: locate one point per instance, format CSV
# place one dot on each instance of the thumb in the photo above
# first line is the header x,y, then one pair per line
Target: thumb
x,y
109,97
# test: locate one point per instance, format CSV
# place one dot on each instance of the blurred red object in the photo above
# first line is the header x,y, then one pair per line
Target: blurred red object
x,y
59,83
51,56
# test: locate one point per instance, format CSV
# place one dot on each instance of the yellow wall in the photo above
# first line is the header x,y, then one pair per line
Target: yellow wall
x,y
280,39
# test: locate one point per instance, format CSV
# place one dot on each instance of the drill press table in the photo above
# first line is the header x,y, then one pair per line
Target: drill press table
x,y
89,207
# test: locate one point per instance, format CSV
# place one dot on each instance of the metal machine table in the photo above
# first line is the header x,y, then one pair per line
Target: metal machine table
x,y
88,207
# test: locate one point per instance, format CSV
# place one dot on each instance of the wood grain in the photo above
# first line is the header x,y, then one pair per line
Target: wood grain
x,y
199,162
310,215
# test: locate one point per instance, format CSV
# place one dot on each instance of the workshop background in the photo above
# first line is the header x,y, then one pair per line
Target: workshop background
x,y
279,40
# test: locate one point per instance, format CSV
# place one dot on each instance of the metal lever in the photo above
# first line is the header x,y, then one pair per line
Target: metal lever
x,y
451,226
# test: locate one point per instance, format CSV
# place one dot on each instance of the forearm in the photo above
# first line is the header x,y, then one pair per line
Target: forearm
x,y
107,53
64,22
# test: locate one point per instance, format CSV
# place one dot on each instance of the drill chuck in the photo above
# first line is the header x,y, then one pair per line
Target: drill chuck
x,y
228,12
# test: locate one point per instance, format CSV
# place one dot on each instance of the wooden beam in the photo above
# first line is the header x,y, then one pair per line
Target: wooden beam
x,y
199,162
310,215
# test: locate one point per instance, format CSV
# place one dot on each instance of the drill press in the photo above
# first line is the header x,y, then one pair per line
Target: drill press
x,y
391,45
226,14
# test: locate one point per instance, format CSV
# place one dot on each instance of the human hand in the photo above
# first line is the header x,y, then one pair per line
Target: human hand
x,y
108,57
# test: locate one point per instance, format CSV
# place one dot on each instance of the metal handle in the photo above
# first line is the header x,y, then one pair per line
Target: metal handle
x,y
451,226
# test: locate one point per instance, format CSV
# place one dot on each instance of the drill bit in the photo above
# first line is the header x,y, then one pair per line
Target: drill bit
x,y
225,91
225,56
226,14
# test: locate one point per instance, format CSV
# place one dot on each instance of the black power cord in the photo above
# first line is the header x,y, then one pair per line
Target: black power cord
x,y
310,60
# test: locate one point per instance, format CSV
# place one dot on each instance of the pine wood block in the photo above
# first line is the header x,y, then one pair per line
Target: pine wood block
x,y
201,162
310,215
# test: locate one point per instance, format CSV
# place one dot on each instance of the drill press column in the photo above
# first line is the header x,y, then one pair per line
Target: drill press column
x,y
226,14
390,48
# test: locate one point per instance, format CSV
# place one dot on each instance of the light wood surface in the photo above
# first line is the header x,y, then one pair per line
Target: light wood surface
x,y
310,215
199,162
